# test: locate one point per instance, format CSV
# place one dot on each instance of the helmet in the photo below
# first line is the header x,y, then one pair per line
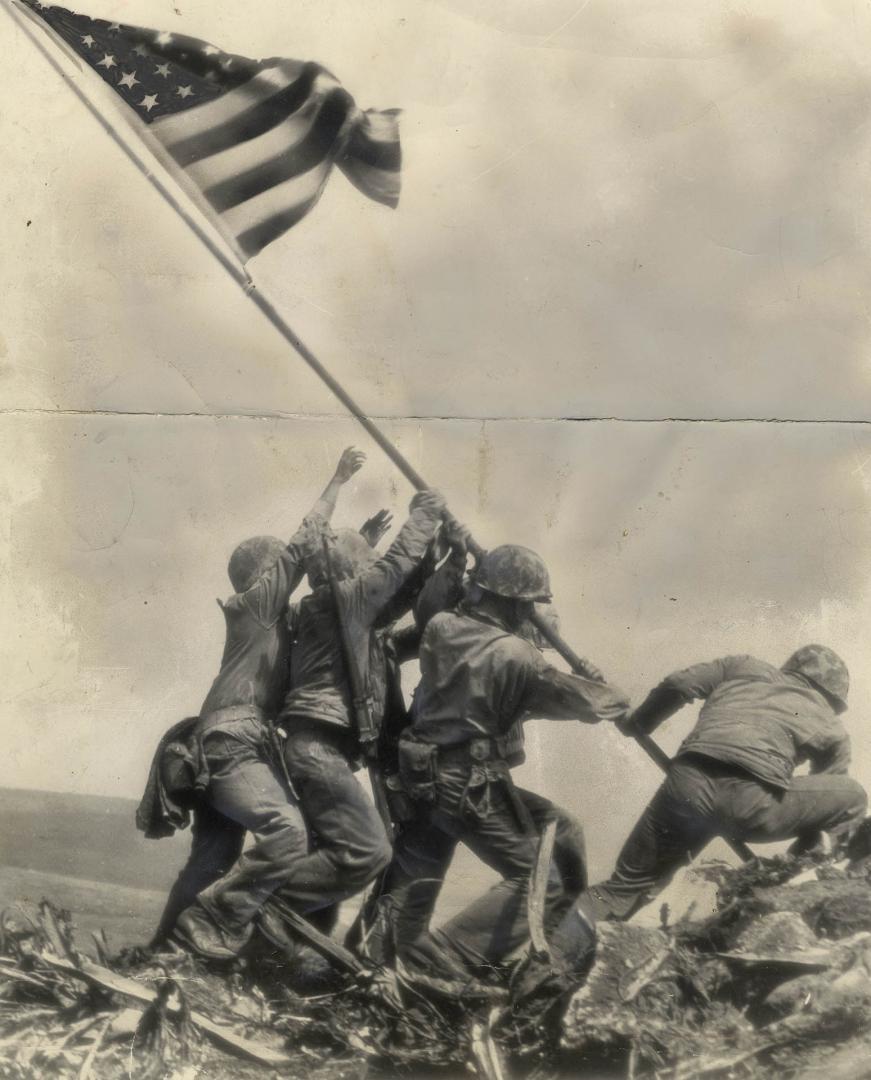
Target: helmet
x,y
252,558
350,554
824,668
514,572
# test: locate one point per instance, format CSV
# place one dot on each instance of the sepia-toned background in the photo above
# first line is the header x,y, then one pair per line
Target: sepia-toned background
x,y
613,215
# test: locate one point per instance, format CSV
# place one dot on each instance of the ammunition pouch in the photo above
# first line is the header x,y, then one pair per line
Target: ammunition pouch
x,y
417,769
399,803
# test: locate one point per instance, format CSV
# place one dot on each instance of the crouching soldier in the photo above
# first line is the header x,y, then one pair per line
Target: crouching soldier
x,y
479,677
733,775
337,656
229,752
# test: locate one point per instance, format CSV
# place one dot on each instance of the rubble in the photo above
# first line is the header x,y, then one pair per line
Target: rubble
x,y
773,984
776,983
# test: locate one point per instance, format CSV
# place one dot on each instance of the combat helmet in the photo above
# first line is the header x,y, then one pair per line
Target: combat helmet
x,y
350,554
252,558
825,669
514,572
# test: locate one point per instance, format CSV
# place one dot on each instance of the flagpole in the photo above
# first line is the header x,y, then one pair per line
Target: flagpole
x,y
241,276
244,281
22,20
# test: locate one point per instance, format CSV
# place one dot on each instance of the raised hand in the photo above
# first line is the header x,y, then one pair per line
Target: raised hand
x,y
456,536
376,526
430,500
350,462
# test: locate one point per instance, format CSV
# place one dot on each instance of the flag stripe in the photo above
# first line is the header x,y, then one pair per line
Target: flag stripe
x,y
374,152
382,125
250,123
277,200
280,140
200,118
312,149
379,184
255,239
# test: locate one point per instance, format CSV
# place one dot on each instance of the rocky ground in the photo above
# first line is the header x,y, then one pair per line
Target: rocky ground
x,y
776,983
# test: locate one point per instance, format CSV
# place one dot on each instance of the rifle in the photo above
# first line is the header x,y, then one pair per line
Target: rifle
x,y
368,728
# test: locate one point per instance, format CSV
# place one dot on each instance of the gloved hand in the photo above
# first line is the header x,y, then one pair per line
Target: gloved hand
x,y
457,537
430,500
627,725
589,670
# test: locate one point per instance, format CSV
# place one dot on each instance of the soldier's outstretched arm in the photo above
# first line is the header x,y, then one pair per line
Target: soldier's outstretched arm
x,y
662,702
554,695
349,463
677,690
370,592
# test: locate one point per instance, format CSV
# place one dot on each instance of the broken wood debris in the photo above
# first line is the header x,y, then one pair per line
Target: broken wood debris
x,y
763,988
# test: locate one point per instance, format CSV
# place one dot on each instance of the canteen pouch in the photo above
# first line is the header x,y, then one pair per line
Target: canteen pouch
x,y
401,807
417,769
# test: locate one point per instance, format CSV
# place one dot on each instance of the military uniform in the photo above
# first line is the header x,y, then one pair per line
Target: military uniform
x,y
239,778
478,679
322,750
733,774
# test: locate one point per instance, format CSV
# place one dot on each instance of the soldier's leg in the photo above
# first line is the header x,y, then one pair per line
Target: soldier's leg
x,y
245,788
353,846
674,827
812,804
571,935
216,844
403,900
570,851
492,927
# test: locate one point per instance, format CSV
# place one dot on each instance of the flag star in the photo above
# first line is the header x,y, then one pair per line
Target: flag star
x,y
129,80
164,38
148,102
88,41
107,62
228,63
210,50
113,26
140,49
184,91
162,69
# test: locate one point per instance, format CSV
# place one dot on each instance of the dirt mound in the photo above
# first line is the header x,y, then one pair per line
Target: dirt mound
x,y
776,983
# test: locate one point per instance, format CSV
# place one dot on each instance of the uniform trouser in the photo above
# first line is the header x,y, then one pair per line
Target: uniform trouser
x,y
399,912
352,844
245,787
216,845
702,798
502,825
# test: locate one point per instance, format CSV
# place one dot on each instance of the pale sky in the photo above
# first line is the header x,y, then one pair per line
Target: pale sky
x,y
608,211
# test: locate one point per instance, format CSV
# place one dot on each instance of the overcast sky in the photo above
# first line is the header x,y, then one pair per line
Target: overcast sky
x,y
609,210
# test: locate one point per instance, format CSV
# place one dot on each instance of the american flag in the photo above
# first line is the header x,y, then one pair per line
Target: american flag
x,y
252,141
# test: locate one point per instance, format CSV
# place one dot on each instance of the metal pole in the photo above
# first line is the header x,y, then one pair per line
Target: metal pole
x,y
241,277
238,273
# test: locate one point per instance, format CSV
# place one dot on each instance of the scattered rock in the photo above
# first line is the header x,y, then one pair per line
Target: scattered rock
x,y
791,997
